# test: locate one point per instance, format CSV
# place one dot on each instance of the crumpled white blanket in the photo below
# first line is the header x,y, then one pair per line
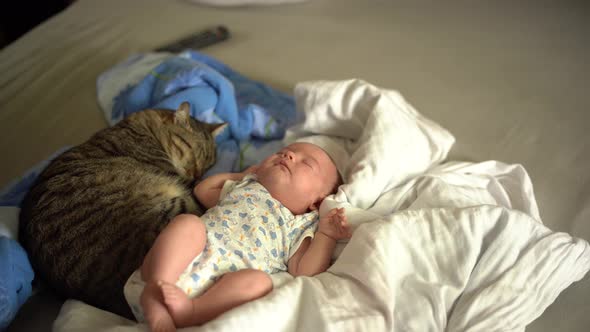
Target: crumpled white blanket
x,y
456,247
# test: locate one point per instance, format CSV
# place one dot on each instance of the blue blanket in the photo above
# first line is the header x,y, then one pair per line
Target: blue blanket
x,y
16,276
257,114
216,94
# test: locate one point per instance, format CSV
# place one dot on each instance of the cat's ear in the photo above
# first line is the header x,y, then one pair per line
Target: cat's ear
x,y
216,128
183,114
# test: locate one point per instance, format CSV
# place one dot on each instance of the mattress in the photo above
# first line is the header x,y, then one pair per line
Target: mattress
x,y
508,80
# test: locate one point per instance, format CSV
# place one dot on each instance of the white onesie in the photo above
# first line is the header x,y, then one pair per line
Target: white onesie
x,y
248,228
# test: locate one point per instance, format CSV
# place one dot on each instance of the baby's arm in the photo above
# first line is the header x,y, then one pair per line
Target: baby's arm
x,y
208,190
313,256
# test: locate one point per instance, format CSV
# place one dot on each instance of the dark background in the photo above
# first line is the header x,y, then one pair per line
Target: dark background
x,y
22,16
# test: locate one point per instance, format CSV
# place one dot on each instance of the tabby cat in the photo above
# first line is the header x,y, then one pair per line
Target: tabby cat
x,y
95,211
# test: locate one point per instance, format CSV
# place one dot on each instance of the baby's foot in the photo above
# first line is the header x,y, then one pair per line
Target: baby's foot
x,y
155,312
178,303
165,324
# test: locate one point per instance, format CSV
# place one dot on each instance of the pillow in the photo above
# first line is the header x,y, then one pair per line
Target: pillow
x,y
377,139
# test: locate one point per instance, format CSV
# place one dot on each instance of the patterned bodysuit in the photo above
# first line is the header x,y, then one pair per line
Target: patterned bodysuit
x,y
248,228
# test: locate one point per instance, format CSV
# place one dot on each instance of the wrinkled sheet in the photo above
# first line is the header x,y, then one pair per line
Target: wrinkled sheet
x,y
459,247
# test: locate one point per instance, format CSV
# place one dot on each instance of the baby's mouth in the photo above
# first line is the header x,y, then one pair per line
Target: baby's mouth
x,y
283,164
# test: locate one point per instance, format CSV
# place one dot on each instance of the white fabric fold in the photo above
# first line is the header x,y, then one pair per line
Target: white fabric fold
x,y
383,141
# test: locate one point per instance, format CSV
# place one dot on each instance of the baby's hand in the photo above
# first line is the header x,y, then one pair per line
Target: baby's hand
x,y
334,225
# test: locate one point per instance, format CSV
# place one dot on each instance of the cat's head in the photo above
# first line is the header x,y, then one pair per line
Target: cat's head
x,y
191,143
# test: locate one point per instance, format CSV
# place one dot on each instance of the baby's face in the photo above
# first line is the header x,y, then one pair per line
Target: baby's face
x,y
299,176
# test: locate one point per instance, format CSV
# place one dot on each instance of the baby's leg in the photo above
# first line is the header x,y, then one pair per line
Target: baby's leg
x,y
176,246
232,290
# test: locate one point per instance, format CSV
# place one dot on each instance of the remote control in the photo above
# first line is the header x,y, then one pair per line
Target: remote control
x,y
198,40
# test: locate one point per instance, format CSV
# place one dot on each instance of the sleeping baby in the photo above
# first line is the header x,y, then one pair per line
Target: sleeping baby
x,y
261,221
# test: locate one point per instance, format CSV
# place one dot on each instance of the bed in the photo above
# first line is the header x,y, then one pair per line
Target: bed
x,y
507,80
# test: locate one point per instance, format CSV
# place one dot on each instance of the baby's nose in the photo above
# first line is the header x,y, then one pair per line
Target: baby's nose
x,y
289,155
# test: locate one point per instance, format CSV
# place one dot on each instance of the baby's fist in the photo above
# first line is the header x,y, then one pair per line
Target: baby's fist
x,y
334,225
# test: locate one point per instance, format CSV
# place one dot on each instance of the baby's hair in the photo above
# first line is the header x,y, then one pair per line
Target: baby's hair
x,y
339,182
